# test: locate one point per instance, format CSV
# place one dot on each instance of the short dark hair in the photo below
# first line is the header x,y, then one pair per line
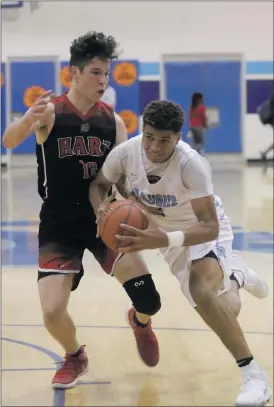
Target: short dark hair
x,y
164,115
196,99
92,44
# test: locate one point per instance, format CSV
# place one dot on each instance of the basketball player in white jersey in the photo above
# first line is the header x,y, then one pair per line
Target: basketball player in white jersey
x,y
191,230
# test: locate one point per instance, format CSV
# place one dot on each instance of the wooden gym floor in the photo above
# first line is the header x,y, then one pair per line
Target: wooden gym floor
x,y
195,368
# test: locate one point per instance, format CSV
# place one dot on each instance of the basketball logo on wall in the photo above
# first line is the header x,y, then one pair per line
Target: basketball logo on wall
x,y
31,94
65,77
130,119
125,74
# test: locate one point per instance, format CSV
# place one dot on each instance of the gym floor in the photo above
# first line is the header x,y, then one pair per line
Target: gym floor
x,y
194,369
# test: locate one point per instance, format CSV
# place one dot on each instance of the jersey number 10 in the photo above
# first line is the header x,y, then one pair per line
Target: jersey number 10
x,y
89,169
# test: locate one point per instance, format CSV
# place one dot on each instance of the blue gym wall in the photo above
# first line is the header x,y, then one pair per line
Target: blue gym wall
x,y
133,98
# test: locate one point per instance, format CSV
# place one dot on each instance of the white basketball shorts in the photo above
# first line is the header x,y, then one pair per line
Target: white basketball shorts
x,y
180,259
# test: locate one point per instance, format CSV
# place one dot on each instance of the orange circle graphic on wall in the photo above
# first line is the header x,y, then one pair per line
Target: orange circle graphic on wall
x,y
65,77
31,94
130,119
2,79
125,74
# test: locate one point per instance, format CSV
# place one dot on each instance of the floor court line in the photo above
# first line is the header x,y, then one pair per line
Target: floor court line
x,y
127,327
59,394
29,369
44,369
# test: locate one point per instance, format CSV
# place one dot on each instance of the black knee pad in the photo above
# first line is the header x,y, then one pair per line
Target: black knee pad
x,y
143,294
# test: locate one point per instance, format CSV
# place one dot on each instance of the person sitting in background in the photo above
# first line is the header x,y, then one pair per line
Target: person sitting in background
x,y
197,123
266,114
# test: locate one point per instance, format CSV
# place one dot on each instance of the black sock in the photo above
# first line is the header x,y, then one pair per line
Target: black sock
x,y
138,323
78,353
232,277
244,362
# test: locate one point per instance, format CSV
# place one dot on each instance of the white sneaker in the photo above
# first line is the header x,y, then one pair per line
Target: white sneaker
x,y
255,390
254,284
247,278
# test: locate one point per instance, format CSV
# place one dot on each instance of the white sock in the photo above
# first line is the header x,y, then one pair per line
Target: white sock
x,y
238,274
250,367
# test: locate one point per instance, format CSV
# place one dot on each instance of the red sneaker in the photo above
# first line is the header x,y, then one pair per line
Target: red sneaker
x,y
147,342
72,368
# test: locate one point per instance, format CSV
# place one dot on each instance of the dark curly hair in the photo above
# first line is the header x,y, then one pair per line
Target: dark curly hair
x,y
164,115
93,44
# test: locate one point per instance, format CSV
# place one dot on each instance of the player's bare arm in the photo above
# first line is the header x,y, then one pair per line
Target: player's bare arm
x,y
206,230
98,192
207,227
196,177
100,187
38,119
121,136
121,131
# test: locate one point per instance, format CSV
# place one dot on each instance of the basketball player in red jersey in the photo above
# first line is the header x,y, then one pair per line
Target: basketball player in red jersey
x,y
75,132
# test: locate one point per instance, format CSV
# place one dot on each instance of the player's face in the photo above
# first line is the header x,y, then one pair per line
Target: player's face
x,y
159,144
93,80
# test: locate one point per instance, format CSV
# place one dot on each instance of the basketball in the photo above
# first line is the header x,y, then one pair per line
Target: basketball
x,y
124,211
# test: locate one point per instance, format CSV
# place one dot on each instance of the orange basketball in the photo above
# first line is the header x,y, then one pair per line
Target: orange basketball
x,y
124,211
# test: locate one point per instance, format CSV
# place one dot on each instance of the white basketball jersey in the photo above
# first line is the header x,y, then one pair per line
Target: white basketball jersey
x,y
169,192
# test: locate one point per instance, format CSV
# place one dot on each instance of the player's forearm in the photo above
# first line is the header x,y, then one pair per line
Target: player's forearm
x,y
97,194
17,132
200,233
124,190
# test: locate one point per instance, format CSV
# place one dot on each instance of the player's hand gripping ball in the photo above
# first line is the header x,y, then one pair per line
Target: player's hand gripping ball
x,y
126,212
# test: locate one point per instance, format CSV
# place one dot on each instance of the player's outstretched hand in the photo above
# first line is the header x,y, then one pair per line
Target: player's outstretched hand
x,y
102,210
136,240
42,108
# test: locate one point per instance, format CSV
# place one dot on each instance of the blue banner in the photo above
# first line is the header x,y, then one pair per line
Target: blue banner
x,y
149,91
258,91
65,76
220,83
28,81
3,105
125,82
